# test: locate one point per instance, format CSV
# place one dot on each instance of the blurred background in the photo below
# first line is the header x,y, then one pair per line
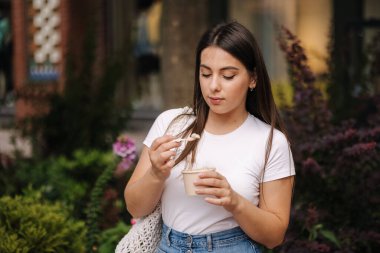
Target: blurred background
x,y
81,79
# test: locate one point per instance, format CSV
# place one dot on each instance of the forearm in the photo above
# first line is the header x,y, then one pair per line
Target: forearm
x,y
142,196
264,227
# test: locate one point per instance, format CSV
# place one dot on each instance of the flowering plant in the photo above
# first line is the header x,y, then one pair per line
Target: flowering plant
x,y
341,156
125,148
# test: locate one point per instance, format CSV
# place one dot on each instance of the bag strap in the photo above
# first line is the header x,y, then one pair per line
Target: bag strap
x,y
180,122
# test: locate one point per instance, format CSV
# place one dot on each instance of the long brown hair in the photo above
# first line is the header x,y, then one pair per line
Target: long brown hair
x,y
238,41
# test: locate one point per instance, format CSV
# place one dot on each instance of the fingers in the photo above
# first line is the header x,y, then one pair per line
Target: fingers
x,y
159,159
162,150
157,142
164,143
160,153
217,190
217,196
215,185
165,167
217,201
211,174
226,198
212,179
212,182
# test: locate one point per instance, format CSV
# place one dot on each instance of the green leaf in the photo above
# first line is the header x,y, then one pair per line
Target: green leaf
x,y
329,235
31,224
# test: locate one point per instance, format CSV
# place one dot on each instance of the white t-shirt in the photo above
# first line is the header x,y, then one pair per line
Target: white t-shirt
x,y
238,155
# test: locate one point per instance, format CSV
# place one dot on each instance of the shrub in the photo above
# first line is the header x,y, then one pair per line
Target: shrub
x,y
7,175
63,178
28,224
336,198
94,209
109,238
103,200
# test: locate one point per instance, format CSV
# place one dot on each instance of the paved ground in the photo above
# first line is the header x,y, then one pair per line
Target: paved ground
x,y
10,141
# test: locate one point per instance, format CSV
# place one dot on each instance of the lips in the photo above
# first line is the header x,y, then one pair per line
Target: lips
x,y
215,100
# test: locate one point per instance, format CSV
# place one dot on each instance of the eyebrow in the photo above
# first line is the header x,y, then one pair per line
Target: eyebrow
x,y
224,68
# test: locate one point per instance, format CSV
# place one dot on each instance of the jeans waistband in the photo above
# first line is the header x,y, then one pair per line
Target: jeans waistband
x,y
218,239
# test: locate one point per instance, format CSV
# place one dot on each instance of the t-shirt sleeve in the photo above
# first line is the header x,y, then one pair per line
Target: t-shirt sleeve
x,y
280,163
160,125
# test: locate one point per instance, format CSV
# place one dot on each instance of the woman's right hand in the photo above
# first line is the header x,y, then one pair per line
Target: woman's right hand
x,y
161,154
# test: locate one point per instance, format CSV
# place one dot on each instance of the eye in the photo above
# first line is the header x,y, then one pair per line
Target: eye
x,y
229,77
205,75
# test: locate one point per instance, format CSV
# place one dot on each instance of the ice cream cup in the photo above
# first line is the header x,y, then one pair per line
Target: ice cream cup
x,y
189,176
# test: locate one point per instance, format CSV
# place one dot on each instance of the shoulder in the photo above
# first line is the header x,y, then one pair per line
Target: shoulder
x,y
263,129
174,116
163,122
171,114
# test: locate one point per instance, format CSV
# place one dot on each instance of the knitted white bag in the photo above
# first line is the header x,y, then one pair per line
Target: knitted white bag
x,y
145,235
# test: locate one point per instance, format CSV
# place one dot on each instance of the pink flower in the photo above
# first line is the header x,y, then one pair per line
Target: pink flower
x,y
311,165
125,148
133,221
360,148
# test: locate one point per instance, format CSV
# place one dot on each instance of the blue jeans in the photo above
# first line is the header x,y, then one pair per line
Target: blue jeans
x,y
231,240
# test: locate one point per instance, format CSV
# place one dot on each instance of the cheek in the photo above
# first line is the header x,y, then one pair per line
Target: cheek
x,y
239,90
203,87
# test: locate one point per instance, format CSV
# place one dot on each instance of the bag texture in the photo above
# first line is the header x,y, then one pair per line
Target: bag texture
x,y
145,235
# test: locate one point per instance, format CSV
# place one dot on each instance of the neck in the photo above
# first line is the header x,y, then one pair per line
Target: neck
x,y
224,123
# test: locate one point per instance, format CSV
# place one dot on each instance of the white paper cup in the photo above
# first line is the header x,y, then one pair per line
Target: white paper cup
x,y
189,176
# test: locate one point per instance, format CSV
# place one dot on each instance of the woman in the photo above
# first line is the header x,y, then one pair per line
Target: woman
x,y
246,201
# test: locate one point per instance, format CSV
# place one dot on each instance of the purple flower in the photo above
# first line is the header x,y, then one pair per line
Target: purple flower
x,y
125,164
360,148
311,165
125,148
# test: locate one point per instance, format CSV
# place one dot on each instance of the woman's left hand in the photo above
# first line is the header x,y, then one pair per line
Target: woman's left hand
x,y
214,184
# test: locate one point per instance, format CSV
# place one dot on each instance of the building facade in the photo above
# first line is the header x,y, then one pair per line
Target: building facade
x,y
45,32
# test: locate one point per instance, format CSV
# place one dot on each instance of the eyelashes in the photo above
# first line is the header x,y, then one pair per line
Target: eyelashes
x,y
225,77
229,77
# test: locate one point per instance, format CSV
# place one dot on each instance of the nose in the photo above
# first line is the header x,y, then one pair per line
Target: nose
x,y
215,84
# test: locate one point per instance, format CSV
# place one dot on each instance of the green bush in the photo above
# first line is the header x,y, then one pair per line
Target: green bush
x,y
336,197
109,238
63,178
67,179
28,224
94,209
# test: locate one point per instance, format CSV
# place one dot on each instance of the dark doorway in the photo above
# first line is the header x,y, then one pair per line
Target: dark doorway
x,y
6,52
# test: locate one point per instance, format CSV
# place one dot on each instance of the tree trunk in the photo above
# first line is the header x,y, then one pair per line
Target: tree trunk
x,y
183,23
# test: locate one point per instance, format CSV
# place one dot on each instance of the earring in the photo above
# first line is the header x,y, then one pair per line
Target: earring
x,y
251,89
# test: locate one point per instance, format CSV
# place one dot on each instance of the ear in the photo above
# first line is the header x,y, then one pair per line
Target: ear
x,y
252,83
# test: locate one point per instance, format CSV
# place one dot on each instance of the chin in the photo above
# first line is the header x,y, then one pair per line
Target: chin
x,y
218,110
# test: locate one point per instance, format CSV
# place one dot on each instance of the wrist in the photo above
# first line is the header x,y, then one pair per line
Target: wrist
x,y
155,176
238,205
